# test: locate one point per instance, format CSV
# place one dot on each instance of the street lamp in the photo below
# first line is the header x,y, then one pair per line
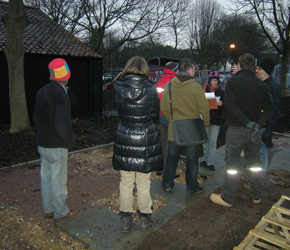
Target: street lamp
x,y
232,46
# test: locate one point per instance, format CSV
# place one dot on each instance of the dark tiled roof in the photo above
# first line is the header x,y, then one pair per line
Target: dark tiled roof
x,y
44,36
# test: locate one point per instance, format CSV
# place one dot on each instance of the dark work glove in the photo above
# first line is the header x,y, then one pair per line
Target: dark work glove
x,y
250,125
256,131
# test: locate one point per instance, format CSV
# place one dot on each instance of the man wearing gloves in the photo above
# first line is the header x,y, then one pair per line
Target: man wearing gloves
x,y
249,108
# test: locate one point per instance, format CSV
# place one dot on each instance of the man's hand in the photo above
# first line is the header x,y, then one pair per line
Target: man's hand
x,y
257,130
250,125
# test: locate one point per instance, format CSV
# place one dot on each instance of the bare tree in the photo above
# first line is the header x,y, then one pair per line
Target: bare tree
x,y
94,20
177,22
65,12
274,19
204,17
15,21
242,30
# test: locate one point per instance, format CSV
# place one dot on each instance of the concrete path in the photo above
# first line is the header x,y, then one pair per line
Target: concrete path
x,y
99,228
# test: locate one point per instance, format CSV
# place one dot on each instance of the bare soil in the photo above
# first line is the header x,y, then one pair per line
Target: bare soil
x,y
92,181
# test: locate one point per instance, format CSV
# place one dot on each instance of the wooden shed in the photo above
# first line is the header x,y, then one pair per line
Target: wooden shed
x,y
45,40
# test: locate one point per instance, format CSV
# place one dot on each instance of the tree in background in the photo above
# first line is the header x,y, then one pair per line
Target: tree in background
x,y
93,20
65,12
241,30
15,21
274,19
203,18
177,23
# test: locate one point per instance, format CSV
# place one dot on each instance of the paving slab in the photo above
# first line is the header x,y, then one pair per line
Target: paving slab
x,y
99,227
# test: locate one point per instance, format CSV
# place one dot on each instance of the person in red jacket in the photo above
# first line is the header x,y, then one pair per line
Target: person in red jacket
x,y
170,71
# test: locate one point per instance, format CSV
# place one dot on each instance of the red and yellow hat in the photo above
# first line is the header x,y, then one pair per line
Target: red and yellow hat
x,y
59,70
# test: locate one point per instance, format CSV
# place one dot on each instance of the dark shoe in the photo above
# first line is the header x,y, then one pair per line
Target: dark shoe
x,y
49,215
176,176
146,221
167,189
199,190
126,221
203,164
211,167
69,214
159,172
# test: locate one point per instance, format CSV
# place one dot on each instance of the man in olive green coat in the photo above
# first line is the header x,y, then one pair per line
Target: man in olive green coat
x,y
188,101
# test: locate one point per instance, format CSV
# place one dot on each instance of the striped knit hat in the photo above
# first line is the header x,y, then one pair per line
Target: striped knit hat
x,y
59,70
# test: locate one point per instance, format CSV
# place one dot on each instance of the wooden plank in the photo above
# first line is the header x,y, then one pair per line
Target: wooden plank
x,y
247,241
251,248
276,240
282,210
267,246
285,197
277,223
270,230
263,230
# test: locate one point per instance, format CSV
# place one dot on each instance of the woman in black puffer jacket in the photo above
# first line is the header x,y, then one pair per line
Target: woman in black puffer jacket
x,y
137,150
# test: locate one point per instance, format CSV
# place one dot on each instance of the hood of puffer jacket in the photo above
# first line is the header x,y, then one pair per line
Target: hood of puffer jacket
x,y
133,87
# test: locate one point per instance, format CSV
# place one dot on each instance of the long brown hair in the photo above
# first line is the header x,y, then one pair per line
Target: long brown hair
x,y
136,65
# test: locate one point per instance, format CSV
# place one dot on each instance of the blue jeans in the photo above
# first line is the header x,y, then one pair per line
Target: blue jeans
x,y
174,151
53,173
209,148
239,138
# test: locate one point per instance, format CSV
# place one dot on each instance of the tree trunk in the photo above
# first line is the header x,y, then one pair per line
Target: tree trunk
x,y
15,21
283,79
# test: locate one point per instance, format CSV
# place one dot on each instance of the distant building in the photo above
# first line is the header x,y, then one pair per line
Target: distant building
x,y
45,40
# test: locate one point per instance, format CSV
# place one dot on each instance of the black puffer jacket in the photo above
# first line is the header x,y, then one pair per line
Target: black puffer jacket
x,y
137,146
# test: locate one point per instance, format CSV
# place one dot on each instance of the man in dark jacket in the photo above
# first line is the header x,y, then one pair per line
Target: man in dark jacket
x,y
263,72
249,107
54,135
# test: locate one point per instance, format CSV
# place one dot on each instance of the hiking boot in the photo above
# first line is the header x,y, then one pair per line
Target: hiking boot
x,y
126,221
217,199
203,164
145,220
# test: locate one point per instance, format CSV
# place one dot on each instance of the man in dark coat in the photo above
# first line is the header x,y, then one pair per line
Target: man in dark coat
x,y
54,135
263,72
249,107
